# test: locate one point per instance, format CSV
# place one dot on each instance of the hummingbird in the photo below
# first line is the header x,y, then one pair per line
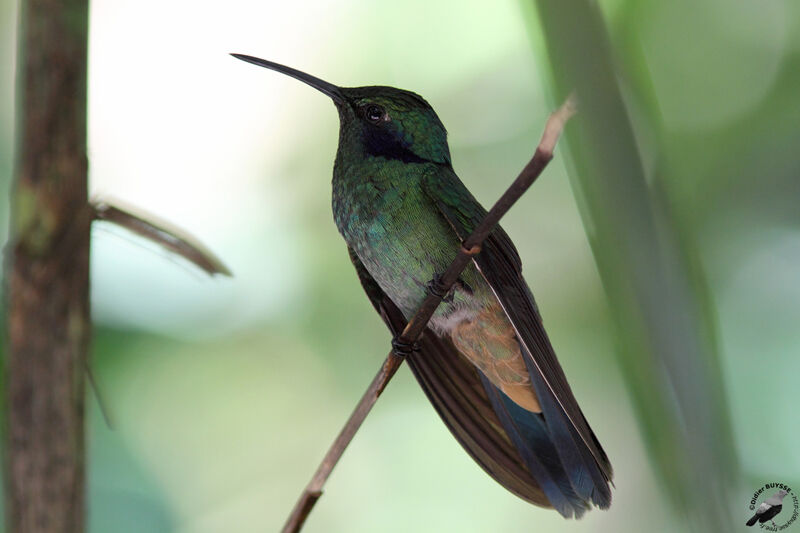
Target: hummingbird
x,y
485,361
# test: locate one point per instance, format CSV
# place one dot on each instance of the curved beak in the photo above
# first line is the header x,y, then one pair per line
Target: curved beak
x,y
321,85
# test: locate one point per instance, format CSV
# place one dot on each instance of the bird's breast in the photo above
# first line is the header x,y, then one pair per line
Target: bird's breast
x,y
403,241
397,233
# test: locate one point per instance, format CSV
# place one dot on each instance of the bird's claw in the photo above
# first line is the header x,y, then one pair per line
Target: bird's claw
x,y
436,288
403,348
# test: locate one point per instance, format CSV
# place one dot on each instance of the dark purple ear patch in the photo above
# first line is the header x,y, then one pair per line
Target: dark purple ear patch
x,y
387,141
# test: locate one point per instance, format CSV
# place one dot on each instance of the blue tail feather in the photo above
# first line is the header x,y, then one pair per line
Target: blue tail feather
x,y
582,469
530,436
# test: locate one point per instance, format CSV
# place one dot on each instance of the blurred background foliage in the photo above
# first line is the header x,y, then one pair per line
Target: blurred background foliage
x,y
226,393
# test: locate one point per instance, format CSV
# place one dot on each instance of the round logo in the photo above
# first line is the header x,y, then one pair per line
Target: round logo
x,y
773,507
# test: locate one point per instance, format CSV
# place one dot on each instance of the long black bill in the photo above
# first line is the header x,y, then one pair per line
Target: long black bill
x,y
321,85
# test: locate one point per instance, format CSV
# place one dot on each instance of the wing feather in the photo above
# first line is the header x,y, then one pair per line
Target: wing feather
x,y
454,387
584,459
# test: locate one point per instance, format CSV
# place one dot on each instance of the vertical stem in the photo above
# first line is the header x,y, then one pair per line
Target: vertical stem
x,y
48,273
667,340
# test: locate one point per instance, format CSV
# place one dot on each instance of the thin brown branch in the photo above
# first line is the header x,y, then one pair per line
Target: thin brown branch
x,y
469,248
173,239
105,411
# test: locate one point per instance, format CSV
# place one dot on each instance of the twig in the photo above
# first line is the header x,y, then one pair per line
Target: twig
x,y
105,411
173,239
469,248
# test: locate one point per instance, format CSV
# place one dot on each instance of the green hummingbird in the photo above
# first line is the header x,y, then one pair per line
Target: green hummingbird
x,y
485,361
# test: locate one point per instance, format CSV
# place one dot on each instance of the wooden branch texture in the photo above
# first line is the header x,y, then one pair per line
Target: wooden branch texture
x,y
171,238
48,274
469,248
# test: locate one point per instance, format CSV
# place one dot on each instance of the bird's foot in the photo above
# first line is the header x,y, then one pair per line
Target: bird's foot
x,y
402,348
436,288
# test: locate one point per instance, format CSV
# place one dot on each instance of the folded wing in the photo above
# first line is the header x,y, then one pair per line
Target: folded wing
x,y
580,454
480,416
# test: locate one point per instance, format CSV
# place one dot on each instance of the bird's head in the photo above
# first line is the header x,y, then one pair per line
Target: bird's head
x,y
380,121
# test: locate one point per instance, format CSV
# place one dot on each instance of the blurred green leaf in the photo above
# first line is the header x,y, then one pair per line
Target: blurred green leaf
x,y
650,271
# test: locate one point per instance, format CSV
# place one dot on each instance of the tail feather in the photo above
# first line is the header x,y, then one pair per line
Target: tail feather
x,y
753,520
529,435
583,471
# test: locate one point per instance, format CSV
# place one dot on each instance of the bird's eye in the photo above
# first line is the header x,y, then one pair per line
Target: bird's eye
x,y
374,113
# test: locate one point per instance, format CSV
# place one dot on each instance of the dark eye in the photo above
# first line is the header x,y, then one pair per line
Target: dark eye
x,y
374,113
